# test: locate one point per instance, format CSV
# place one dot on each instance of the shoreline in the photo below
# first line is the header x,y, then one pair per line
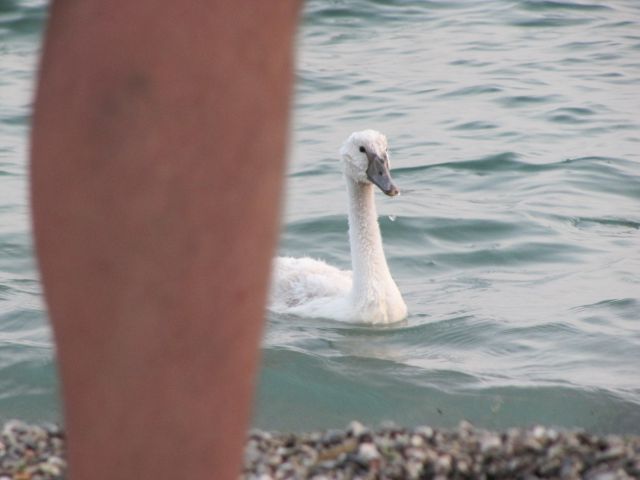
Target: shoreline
x,y
37,452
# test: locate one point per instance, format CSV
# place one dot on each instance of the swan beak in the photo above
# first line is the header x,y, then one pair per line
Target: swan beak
x,y
379,174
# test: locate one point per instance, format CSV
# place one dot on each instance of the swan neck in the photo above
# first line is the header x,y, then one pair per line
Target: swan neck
x,y
369,265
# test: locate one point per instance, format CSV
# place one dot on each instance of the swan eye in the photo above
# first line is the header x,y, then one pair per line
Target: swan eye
x,y
362,149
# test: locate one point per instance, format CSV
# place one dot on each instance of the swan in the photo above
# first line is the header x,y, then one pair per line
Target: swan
x,y
311,288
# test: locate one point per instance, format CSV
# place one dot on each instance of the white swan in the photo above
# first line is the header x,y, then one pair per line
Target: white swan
x,y
311,288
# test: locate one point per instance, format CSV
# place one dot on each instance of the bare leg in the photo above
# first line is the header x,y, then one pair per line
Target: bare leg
x,y
158,145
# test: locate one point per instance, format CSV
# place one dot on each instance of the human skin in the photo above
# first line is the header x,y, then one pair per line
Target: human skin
x,y
158,142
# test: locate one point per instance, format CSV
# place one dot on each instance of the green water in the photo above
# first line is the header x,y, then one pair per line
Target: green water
x,y
514,131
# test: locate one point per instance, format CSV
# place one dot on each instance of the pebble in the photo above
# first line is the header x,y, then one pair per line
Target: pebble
x,y
356,429
393,452
368,452
32,452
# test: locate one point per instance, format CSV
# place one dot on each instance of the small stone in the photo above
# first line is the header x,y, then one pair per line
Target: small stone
x,y
368,451
611,453
490,443
251,454
463,467
415,453
14,427
532,444
332,437
603,476
50,469
443,464
416,441
465,426
335,450
356,429
539,432
414,469
426,432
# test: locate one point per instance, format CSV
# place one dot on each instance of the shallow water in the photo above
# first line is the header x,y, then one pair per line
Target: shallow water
x,y
514,134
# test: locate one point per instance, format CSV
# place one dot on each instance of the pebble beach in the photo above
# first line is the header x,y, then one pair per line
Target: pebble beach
x,y
37,452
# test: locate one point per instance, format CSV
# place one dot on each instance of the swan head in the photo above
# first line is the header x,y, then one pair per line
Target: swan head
x,y
365,159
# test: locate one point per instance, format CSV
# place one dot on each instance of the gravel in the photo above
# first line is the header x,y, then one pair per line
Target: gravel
x,y
31,452
35,452
429,453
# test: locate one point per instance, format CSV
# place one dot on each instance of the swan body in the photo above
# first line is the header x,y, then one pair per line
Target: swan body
x,y
312,288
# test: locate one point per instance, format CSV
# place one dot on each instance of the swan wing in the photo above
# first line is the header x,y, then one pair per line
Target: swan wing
x,y
299,281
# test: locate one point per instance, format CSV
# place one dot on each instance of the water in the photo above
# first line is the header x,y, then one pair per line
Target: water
x,y
27,372
514,132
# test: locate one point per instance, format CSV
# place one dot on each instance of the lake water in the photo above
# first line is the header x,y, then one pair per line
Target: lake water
x,y
514,130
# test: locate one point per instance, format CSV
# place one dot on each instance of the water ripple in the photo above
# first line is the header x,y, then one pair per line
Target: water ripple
x,y
513,130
